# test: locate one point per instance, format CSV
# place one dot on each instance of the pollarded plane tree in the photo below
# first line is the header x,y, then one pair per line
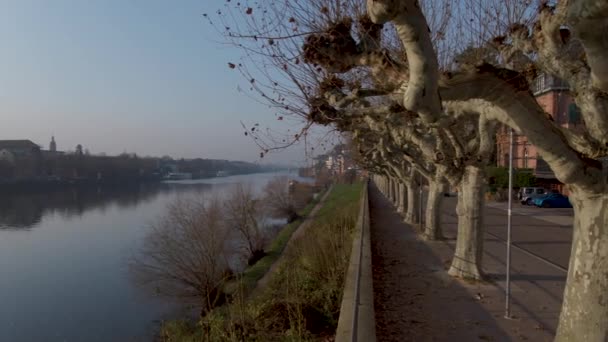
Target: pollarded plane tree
x,y
412,166
567,41
459,158
321,34
401,168
409,163
270,35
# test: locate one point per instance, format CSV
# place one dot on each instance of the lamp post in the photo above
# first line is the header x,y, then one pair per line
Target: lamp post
x,y
509,214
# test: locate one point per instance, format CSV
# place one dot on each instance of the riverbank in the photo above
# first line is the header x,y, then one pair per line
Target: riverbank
x,y
249,279
300,297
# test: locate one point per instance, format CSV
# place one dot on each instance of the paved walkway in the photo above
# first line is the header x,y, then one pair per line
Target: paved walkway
x,y
415,299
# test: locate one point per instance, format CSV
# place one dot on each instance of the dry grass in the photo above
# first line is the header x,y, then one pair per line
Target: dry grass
x,y
302,300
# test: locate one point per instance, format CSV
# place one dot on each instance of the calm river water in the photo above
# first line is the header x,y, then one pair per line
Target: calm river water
x,y
64,260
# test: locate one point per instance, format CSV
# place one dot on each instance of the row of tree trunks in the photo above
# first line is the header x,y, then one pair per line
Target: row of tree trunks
x,y
432,221
469,243
411,215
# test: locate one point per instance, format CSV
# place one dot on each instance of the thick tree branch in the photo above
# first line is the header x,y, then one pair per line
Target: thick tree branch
x,y
589,20
560,54
421,94
497,100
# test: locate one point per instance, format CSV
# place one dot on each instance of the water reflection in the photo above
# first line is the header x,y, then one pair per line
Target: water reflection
x,y
25,210
63,259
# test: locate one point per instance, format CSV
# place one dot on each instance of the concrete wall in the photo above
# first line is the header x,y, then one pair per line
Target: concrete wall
x,y
357,320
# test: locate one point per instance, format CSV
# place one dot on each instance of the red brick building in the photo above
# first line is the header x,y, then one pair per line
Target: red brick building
x,y
554,97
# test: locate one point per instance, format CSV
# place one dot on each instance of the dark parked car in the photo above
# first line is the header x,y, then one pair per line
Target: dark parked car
x,y
553,201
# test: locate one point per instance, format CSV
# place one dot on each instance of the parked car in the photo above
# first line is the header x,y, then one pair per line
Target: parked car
x,y
527,195
450,194
553,201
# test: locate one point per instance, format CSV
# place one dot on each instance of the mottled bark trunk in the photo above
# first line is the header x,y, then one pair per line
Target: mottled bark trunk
x,y
584,315
396,193
391,190
402,199
469,242
432,222
413,204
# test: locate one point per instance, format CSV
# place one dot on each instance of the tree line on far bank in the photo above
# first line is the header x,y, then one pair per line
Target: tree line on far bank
x,y
108,169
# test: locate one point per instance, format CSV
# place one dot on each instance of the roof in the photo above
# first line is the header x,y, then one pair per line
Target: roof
x,y
8,144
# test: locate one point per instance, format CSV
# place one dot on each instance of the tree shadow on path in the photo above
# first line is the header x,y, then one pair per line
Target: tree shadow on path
x,y
414,298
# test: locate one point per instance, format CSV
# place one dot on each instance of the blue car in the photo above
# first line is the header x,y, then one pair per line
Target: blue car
x,y
553,201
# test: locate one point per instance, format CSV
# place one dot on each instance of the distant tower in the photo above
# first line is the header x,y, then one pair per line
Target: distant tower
x,y
53,145
79,149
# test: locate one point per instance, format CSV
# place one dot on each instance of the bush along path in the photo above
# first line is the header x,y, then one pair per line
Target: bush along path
x,y
300,229
299,297
248,281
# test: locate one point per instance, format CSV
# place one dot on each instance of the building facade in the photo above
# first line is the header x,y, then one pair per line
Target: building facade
x,y
21,159
553,95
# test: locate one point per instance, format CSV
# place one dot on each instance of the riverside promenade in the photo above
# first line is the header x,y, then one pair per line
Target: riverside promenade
x,y
415,299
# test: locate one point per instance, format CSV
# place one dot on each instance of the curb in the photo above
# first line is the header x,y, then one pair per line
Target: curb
x,y
357,319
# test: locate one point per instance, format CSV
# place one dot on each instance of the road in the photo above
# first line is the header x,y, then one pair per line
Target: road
x,y
542,238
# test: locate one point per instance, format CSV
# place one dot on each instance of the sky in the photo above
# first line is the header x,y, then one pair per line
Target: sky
x,y
142,76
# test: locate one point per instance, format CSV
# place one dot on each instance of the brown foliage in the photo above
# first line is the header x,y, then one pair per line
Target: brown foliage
x,y
184,256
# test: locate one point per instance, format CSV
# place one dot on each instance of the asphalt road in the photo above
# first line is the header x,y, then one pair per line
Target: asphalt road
x,y
542,238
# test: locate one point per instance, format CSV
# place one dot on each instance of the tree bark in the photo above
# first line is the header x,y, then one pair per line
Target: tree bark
x,y
432,224
391,190
585,304
402,198
413,203
469,242
396,191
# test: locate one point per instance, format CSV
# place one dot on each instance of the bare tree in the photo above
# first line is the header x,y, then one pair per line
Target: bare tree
x,y
184,256
362,81
279,199
243,213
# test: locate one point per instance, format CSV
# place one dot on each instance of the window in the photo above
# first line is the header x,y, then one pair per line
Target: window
x,y
540,191
574,114
529,191
540,83
525,158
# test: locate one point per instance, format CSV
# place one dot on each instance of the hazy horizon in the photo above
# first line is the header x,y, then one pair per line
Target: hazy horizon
x,y
143,77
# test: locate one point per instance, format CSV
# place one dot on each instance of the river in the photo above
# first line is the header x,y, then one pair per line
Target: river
x,y
64,260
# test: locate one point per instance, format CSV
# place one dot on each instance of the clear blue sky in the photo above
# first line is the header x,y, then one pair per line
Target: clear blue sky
x,y
145,76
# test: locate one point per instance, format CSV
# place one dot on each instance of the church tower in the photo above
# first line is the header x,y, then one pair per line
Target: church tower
x,y
53,145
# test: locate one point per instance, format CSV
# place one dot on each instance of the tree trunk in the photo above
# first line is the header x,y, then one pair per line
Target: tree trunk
x,y
585,305
432,224
469,242
390,194
401,200
396,193
413,203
